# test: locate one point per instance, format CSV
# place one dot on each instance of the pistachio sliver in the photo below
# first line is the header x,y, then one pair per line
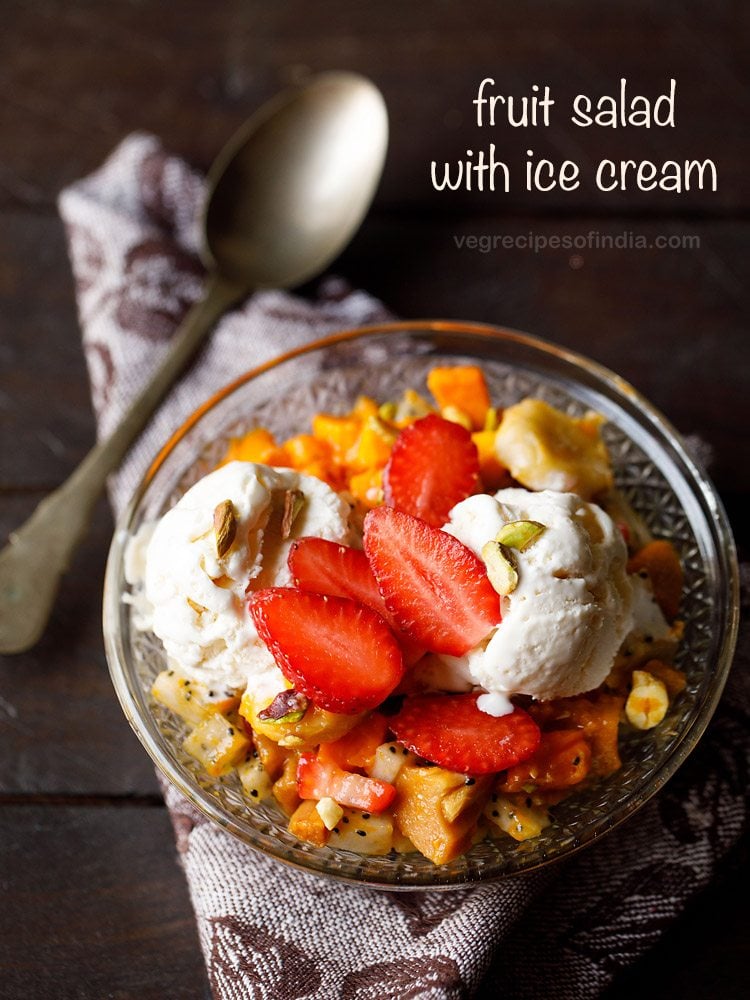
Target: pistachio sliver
x,y
225,527
293,502
286,708
501,567
519,534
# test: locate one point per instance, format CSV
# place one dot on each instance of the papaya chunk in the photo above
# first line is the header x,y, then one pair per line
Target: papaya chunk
x,y
426,797
306,824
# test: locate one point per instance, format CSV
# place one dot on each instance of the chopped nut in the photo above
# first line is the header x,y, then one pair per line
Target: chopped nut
x,y
647,702
501,567
287,706
225,527
330,812
293,503
519,534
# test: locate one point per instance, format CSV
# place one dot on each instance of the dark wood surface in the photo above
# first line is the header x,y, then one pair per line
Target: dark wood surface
x,y
93,902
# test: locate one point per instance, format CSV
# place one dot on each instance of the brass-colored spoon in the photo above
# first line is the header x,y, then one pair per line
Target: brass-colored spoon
x,y
285,196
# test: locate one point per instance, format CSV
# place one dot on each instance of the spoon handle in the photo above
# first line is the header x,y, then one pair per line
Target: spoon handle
x,y
38,553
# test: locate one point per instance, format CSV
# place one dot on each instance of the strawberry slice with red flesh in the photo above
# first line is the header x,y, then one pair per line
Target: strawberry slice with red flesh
x,y
321,779
340,654
434,586
434,464
449,730
324,567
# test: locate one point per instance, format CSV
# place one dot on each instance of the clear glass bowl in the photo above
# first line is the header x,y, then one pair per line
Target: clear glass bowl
x,y
652,468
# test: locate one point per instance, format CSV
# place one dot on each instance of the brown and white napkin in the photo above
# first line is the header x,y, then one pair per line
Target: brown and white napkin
x,y
268,931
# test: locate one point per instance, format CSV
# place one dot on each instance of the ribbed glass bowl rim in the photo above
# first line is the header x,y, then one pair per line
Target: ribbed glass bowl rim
x,y
619,388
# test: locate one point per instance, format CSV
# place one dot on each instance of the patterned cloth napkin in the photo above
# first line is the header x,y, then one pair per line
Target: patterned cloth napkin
x,y
268,931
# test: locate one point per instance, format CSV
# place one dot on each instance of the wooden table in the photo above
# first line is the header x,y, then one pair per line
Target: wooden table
x,y
93,902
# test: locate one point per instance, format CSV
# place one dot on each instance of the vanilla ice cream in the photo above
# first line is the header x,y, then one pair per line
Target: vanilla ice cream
x,y
565,620
195,601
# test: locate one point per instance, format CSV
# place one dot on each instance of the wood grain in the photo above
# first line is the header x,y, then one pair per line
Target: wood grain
x,y
94,905
58,709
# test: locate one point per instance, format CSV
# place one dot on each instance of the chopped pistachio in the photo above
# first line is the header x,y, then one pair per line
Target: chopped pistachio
x,y
501,567
287,707
647,702
387,411
225,527
330,812
519,534
294,501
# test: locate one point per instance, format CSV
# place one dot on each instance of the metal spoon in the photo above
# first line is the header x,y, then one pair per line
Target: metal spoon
x,y
286,195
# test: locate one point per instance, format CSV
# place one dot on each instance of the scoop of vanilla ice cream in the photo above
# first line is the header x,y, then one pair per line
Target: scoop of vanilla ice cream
x,y
566,619
196,601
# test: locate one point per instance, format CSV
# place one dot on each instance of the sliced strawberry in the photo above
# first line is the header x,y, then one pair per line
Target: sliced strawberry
x,y
434,464
324,567
450,730
434,586
341,654
321,779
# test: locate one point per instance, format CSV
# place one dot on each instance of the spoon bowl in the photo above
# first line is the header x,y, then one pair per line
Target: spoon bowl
x,y
292,186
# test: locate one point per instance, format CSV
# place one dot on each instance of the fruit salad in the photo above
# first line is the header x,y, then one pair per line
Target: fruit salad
x,y
424,622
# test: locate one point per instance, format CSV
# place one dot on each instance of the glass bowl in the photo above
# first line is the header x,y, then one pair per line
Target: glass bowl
x,y
652,468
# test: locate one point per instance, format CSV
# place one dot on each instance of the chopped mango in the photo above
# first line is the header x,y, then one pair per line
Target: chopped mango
x,y
258,445
304,449
254,446
364,407
463,387
373,446
367,487
340,433
491,469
